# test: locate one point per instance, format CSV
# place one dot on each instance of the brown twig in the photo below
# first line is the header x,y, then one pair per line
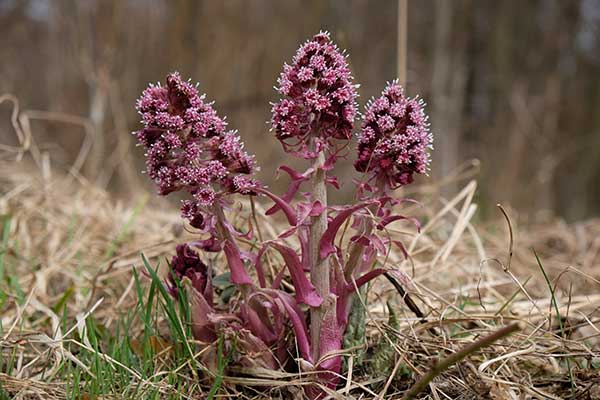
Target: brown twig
x,y
410,303
444,364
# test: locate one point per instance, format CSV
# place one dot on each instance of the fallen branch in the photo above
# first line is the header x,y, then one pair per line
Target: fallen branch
x,y
442,365
410,303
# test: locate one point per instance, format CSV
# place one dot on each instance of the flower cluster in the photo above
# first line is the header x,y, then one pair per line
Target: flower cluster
x,y
394,139
188,147
319,97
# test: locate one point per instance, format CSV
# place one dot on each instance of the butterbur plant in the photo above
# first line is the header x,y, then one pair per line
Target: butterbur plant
x,y
189,149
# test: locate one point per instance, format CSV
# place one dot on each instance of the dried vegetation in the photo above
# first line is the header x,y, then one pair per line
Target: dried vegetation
x,y
69,249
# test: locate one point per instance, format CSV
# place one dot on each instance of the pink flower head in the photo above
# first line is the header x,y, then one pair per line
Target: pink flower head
x,y
187,145
394,140
319,97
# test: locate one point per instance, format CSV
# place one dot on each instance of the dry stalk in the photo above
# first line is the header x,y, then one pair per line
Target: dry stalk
x,y
442,365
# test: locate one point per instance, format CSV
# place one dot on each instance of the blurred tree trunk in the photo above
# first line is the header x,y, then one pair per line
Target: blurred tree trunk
x,y
559,41
448,86
589,178
503,167
184,30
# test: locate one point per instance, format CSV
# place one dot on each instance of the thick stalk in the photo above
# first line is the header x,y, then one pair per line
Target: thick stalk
x,y
319,272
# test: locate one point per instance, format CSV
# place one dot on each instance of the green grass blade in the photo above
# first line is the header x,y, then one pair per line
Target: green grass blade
x,y
222,364
168,304
4,248
512,297
560,323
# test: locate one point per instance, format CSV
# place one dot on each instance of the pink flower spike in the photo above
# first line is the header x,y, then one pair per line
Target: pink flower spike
x,y
319,98
395,140
188,148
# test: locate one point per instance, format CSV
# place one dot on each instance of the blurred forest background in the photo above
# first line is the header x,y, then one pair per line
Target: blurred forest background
x,y
514,84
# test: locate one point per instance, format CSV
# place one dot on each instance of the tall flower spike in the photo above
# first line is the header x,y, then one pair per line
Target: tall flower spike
x,y
188,147
319,98
394,139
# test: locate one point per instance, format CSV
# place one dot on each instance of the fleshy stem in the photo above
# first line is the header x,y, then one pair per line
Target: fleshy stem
x,y
319,272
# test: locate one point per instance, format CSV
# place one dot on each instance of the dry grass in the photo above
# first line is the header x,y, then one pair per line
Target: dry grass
x,y
70,250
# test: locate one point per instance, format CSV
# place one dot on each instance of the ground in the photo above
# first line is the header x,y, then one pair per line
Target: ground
x,y
82,319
